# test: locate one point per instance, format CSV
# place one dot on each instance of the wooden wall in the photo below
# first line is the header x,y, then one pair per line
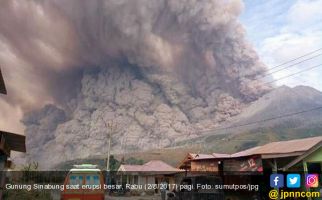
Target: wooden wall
x,y
204,166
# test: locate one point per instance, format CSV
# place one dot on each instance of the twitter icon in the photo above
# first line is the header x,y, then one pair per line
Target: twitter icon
x,y
293,181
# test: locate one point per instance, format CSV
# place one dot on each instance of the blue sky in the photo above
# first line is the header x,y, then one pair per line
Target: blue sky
x,y
282,30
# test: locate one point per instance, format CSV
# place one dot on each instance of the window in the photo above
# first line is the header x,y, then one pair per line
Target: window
x,y
92,180
76,180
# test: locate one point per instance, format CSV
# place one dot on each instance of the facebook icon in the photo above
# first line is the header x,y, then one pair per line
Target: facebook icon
x,y
277,180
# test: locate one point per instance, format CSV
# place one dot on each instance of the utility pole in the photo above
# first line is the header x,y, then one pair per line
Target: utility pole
x,y
112,126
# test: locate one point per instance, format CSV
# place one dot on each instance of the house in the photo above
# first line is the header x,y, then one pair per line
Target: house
x,y
299,154
202,162
292,156
296,155
149,174
8,142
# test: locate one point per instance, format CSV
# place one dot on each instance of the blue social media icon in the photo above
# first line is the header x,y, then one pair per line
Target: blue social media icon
x,y
277,180
293,181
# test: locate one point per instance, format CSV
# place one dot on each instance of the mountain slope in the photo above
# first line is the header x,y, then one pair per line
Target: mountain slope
x,y
282,114
284,101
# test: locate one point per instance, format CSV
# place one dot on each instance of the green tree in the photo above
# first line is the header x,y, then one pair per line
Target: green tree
x,y
134,161
114,163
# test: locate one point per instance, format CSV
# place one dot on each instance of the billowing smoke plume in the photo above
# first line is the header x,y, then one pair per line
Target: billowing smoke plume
x,y
163,70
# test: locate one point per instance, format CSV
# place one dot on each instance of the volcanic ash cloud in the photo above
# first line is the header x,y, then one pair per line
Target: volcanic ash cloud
x,y
162,70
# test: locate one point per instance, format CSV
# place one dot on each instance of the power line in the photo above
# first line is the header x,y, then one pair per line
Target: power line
x,y
289,66
264,120
294,59
276,117
294,64
291,75
285,115
294,74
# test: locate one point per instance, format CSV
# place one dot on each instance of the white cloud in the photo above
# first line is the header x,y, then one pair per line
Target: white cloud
x,y
305,13
299,34
284,47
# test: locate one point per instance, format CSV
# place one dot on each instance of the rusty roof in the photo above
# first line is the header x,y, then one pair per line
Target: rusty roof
x,y
199,156
294,147
274,149
2,85
158,165
220,155
131,168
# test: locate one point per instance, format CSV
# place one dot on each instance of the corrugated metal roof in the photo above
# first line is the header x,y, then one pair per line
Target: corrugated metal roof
x,y
158,165
246,152
198,156
298,146
2,85
282,147
131,168
220,155
271,150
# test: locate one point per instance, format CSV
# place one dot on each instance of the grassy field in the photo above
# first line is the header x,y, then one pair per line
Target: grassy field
x,y
172,156
231,143
220,143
